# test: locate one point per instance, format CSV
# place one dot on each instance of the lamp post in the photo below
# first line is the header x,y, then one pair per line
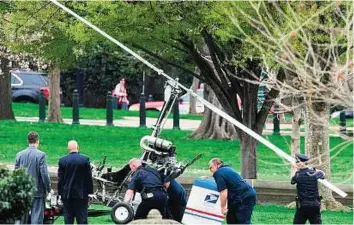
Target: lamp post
x,y
142,112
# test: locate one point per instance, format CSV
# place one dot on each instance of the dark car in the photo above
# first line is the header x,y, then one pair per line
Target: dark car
x,y
26,86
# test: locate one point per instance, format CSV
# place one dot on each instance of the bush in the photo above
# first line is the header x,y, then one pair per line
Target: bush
x,y
16,194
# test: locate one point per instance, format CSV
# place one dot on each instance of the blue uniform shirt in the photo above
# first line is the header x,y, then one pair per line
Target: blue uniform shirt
x,y
238,189
176,193
145,177
307,186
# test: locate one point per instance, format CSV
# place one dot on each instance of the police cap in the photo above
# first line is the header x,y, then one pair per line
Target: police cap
x,y
301,157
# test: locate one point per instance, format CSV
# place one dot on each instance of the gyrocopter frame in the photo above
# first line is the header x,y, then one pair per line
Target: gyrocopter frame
x,y
258,137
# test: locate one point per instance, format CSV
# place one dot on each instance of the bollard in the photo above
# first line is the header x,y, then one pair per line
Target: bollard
x,y
41,106
176,115
142,111
114,102
276,122
75,107
109,110
342,123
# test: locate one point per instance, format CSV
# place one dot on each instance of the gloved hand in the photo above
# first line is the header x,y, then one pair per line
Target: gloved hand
x,y
49,196
92,196
60,202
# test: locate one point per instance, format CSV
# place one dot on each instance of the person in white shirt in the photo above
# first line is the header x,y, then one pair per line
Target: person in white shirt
x,y
121,92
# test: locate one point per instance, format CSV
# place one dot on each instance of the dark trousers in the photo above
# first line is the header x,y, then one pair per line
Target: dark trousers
x,y
75,208
177,210
241,213
159,202
311,213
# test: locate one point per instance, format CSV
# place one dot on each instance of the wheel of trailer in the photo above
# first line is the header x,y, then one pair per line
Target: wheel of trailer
x,y
122,213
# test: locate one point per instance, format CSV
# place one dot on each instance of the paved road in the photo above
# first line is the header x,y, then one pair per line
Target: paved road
x,y
185,124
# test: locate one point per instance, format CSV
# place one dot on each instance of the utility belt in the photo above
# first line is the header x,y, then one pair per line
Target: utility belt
x,y
148,193
308,202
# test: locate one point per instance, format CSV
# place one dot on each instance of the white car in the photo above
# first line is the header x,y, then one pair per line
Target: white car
x,y
184,102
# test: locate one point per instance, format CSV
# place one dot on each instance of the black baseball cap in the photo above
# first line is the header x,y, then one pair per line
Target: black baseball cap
x,y
301,157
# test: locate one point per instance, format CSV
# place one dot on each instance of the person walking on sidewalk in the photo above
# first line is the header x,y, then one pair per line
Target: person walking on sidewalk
x,y
75,184
34,161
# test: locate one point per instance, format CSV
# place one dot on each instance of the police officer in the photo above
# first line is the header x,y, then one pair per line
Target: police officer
x,y
308,201
177,199
149,183
237,197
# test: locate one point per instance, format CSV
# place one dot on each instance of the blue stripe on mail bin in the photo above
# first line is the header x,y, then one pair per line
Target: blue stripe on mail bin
x,y
208,184
204,217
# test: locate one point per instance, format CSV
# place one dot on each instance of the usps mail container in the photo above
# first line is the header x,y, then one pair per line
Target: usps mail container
x,y
203,206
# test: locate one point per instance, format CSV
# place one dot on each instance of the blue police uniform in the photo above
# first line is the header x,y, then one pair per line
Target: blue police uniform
x,y
241,197
177,200
308,202
149,183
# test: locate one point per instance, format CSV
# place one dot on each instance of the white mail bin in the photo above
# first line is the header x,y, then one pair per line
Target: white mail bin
x,y
203,206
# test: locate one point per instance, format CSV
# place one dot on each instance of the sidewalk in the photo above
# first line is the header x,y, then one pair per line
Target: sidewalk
x,y
185,124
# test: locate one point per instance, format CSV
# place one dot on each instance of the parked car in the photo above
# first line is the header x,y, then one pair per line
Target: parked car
x,y
26,86
348,114
184,102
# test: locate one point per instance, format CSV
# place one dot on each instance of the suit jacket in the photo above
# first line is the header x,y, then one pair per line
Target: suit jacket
x,y
35,162
74,177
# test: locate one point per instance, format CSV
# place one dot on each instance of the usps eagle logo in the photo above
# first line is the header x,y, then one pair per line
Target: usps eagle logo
x,y
211,198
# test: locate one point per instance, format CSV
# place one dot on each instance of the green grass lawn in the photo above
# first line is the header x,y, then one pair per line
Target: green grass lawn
x,y
335,121
31,110
262,214
121,144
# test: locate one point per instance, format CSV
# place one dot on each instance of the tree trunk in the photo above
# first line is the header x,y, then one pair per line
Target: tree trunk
x,y
228,81
6,112
248,157
295,134
193,100
317,147
213,126
54,113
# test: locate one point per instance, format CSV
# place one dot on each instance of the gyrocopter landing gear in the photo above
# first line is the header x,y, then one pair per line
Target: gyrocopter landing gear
x,y
122,213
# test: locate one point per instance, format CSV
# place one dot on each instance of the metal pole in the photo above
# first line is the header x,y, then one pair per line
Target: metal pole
x,y
114,102
76,107
176,116
276,122
41,106
143,83
232,120
109,110
142,111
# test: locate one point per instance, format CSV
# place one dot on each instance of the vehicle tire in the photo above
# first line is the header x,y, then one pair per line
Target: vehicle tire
x,y
122,213
25,100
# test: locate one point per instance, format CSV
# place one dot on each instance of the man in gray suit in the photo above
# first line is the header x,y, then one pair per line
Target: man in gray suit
x,y
35,162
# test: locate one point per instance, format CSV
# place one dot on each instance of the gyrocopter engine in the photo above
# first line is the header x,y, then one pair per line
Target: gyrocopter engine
x,y
160,153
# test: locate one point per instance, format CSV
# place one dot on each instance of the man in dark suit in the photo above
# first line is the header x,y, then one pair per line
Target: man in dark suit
x,y
35,162
75,184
